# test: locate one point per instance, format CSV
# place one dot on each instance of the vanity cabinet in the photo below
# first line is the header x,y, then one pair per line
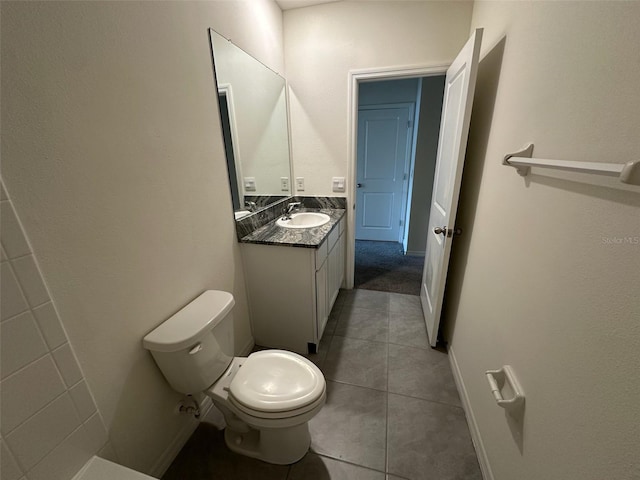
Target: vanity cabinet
x,y
291,290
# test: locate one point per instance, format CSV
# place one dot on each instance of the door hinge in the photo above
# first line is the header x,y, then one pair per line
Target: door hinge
x,y
401,222
408,123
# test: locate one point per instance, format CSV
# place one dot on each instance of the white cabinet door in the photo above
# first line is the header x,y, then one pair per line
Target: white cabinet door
x,y
341,246
281,287
336,270
322,298
334,266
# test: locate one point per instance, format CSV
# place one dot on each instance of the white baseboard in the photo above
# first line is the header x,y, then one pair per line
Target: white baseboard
x,y
481,453
415,253
171,452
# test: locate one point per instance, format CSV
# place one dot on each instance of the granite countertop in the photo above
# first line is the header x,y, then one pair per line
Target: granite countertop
x,y
272,234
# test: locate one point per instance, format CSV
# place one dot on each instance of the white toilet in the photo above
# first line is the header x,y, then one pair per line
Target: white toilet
x,y
267,398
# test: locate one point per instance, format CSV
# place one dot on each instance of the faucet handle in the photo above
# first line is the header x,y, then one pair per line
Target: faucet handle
x,y
290,208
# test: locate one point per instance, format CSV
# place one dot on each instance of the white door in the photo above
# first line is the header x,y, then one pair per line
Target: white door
x,y
452,144
384,140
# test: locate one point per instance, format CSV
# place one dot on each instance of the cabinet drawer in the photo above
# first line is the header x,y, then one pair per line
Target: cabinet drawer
x,y
333,237
321,254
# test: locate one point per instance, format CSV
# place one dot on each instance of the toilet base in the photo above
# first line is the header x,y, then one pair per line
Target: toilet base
x,y
281,446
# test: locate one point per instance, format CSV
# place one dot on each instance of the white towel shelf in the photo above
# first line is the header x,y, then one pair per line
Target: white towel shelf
x,y
627,172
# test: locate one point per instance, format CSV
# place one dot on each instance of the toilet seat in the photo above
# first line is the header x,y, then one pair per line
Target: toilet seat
x,y
266,419
277,384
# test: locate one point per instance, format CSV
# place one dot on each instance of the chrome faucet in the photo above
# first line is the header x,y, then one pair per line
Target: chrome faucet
x,y
251,206
291,207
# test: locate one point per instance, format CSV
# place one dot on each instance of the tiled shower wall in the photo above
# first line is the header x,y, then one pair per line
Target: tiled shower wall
x,y
49,422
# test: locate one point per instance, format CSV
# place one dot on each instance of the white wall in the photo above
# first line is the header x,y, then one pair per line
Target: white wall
x,y
113,156
536,282
324,42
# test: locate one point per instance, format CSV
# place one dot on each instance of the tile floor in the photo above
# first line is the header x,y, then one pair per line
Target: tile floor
x,y
392,408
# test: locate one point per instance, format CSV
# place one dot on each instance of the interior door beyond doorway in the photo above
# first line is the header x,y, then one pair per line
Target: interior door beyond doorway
x,y
384,140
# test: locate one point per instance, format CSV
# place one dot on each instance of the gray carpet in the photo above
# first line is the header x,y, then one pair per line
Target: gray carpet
x,y
382,266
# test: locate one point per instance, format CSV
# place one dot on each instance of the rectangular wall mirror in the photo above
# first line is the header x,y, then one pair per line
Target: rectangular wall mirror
x,y
253,113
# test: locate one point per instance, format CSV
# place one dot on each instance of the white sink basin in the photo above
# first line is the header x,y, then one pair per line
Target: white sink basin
x,y
304,220
241,214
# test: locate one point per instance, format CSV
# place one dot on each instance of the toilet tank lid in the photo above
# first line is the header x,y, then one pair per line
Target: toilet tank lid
x,y
182,329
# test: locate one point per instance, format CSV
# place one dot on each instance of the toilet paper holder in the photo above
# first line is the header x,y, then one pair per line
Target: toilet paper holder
x,y
505,379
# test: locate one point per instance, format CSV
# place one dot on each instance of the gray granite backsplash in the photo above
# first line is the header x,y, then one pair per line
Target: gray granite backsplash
x,y
263,201
250,223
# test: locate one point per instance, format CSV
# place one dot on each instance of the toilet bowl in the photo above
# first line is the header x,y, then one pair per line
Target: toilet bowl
x,y
275,393
267,398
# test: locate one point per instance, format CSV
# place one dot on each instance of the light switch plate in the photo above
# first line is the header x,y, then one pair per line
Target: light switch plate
x,y
250,184
337,184
300,184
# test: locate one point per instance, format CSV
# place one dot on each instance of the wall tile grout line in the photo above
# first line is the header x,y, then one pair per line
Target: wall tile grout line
x,y
31,308
19,257
50,451
13,317
23,288
5,435
24,367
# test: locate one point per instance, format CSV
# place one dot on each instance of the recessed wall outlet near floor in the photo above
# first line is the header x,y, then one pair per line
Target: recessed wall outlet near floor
x,y
300,184
284,184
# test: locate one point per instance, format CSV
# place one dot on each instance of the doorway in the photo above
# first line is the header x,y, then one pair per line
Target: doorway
x,y
397,136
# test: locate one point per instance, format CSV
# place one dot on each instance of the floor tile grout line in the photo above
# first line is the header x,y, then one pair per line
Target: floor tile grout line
x,y
386,439
396,344
342,382
324,360
342,460
426,400
362,339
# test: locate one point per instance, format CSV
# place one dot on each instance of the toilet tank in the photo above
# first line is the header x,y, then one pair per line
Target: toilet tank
x,y
194,347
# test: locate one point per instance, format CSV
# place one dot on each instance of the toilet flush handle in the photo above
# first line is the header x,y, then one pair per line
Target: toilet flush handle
x,y
195,349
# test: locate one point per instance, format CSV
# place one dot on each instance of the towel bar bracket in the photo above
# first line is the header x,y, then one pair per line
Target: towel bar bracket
x,y
526,152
